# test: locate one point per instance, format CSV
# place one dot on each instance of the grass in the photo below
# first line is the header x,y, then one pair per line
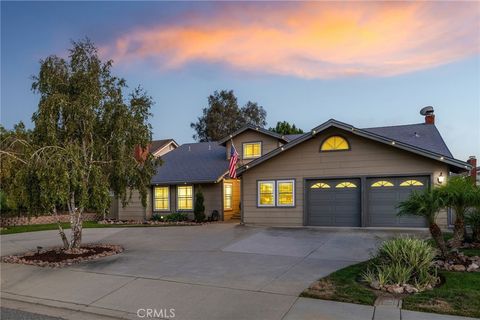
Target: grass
x,y
86,225
459,293
343,285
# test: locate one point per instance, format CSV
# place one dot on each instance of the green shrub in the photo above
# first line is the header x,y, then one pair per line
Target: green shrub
x,y
199,208
176,217
403,261
473,220
172,217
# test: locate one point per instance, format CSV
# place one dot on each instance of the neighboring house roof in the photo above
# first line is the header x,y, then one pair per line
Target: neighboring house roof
x,y
254,128
203,162
421,135
418,148
157,145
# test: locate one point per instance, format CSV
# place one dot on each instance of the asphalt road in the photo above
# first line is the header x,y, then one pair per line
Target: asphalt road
x,y
12,314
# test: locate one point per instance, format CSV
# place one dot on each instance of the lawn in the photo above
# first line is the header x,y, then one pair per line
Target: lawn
x,y
86,224
459,293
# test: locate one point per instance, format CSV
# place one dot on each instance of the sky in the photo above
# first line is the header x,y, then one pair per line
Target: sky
x,y
364,63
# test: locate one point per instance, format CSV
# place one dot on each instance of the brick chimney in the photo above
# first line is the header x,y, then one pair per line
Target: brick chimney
x,y
429,115
430,119
473,173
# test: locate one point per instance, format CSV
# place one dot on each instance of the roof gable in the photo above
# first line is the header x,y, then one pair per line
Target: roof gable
x,y
254,128
457,164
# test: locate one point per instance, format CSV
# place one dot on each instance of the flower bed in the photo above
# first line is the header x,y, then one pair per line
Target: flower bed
x,y
59,257
152,222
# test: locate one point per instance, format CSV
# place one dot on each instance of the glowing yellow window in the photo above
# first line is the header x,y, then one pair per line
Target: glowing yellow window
x,y
382,183
320,185
346,184
185,197
161,198
252,150
285,193
227,195
335,143
266,193
409,183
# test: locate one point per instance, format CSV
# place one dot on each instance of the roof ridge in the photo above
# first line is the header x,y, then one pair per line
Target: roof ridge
x,y
397,125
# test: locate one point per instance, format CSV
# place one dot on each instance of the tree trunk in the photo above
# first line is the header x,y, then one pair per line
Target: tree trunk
x,y
75,224
66,245
438,238
458,232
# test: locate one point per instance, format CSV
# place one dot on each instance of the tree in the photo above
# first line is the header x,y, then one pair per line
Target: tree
x,y
426,203
460,194
283,127
199,208
223,116
82,146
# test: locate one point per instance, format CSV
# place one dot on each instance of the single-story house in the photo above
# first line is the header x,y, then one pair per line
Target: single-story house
x,y
333,175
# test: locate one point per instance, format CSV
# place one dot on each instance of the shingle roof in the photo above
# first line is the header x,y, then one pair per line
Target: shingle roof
x,y
159,144
291,137
192,163
421,135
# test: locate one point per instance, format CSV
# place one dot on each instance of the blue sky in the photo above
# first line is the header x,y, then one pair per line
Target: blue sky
x,y
303,63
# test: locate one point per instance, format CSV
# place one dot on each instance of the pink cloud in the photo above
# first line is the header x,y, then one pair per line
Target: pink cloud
x,y
311,40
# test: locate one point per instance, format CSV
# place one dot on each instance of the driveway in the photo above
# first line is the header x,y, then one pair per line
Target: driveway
x,y
218,271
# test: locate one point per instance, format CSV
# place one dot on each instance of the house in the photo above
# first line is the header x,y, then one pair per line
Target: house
x,y
135,210
334,175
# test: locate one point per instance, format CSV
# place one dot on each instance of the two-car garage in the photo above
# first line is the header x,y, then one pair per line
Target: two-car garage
x,y
361,202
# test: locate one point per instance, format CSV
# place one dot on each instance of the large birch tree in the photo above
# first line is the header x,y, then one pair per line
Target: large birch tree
x,y
82,147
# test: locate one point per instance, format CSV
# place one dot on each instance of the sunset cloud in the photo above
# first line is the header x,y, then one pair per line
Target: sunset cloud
x,y
309,40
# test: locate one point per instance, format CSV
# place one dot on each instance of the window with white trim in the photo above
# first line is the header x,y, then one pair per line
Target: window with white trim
x,y
252,150
266,193
285,193
161,196
185,197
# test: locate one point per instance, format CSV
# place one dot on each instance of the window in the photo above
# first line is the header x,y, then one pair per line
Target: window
x,y
346,184
227,195
252,150
266,193
185,197
382,183
320,185
285,193
161,198
335,143
409,183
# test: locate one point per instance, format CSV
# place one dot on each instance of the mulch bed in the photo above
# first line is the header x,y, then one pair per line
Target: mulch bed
x,y
59,257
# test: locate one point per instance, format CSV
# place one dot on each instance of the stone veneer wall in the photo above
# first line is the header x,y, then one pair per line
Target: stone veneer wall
x,y
23,220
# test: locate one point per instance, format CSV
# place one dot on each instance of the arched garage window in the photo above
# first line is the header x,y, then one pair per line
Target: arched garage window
x,y
409,183
346,184
335,143
382,183
320,185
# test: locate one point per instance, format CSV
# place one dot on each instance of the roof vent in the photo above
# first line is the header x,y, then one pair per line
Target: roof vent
x,y
416,135
189,148
209,147
428,112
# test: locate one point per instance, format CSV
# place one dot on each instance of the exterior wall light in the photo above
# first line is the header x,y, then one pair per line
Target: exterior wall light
x,y
393,142
441,158
441,178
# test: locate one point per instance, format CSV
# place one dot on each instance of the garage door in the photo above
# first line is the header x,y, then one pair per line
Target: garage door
x,y
383,196
333,203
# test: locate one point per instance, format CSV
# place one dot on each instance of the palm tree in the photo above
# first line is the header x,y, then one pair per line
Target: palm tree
x,y
459,194
426,203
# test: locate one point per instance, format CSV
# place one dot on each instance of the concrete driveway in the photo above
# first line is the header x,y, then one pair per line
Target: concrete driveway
x,y
218,271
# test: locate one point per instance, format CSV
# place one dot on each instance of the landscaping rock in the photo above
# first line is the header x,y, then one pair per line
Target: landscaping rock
x,y
409,288
395,289
375,285
458,267
472,267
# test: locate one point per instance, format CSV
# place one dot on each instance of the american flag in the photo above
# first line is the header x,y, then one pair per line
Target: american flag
x,y
232,168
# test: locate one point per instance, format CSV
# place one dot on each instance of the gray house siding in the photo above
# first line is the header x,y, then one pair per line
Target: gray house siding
x,y
366,158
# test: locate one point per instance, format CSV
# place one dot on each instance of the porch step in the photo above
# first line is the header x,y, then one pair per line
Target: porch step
x,y
236,216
